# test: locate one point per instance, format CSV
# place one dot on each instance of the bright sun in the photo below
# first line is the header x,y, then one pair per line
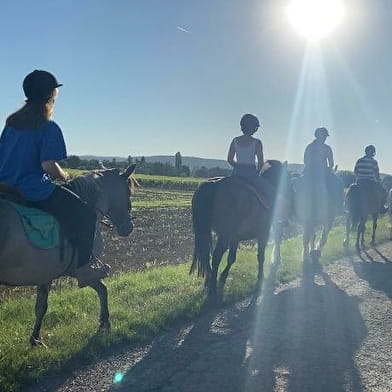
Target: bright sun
x,y
315,19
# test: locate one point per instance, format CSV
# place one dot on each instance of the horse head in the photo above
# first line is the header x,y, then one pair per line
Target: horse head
x,y
114,199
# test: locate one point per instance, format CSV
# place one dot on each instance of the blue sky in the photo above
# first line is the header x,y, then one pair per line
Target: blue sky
x,y
136,83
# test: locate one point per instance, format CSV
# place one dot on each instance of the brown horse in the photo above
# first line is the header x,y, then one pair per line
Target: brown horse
x,y
362,200
235,213
108,191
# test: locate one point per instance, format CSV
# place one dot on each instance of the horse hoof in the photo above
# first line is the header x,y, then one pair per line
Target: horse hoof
x,y
37,342
104,327
315,255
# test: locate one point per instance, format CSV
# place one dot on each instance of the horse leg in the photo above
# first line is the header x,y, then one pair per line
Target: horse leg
x,y
375,217
360,233
324,236
346,241
220,248
306,240
230,261
102,291
278,234
261,245
41,306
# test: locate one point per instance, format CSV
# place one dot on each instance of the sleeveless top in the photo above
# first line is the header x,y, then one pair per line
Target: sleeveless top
x,y
245,155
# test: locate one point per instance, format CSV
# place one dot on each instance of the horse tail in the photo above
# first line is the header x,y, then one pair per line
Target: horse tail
x,y
202,204
353,204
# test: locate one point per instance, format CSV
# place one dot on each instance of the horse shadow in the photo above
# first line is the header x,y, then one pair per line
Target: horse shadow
x,y
377,273
299,338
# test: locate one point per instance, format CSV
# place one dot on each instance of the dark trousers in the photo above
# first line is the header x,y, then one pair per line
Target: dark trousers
x,y
76,219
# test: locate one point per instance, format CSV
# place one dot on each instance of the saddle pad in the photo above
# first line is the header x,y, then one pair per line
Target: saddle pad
x,y
41,228
247,184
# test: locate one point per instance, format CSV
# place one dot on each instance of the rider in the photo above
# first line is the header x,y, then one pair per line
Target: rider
x,y
319,164
367,174
30,146
243,152
246,149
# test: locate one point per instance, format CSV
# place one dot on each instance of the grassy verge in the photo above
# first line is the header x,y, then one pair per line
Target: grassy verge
x,y
141,304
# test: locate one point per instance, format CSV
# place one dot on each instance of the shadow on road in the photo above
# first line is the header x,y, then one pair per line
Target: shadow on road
x,y
377,273
299,338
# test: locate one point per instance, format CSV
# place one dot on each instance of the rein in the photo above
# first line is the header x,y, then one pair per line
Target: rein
x,y
86,190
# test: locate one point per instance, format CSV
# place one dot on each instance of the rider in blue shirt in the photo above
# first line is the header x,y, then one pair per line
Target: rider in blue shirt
x,y
30,146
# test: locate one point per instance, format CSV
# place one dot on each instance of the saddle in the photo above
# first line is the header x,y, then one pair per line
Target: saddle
x,y
245,183
8,192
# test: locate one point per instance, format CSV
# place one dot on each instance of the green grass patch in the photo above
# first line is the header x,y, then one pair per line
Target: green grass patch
x,y
160,198
141,304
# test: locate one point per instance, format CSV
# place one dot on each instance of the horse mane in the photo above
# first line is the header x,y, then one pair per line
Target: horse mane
x,y
86,187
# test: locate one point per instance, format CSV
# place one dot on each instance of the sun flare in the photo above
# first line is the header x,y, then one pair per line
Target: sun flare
x,y
315,19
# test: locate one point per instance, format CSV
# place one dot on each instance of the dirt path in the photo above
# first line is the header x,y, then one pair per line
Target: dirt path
x,y
331,331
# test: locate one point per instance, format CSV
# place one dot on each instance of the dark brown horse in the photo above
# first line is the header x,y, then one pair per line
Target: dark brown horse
x,y
235,213
23,264
361,201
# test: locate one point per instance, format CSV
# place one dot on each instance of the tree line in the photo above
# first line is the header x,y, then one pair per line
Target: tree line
x,y
144,167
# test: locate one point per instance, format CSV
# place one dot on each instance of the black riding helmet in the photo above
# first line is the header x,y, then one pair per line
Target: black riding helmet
x,y
38,85
370,150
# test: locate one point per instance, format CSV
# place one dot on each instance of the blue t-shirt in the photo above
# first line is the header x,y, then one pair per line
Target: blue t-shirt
x,y
21,153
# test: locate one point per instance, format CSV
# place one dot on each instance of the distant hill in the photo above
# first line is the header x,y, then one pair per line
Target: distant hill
x,y
191,162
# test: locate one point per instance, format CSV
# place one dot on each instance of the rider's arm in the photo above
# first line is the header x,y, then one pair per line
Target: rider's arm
x,y
230,155
260,156
52,150
330,158
377,172
55,171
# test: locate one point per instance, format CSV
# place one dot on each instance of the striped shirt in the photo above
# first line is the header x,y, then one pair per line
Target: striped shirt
x,y
366,168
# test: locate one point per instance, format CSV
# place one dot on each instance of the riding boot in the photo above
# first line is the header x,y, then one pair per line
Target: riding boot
x,y
91,272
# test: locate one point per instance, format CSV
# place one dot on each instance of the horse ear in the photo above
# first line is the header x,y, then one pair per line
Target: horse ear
x,y
128,172
102,166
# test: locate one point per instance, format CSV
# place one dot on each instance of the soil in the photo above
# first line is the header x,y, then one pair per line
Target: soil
x,y
328,331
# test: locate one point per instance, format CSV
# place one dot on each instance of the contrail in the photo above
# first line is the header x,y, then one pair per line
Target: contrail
x,y
179,28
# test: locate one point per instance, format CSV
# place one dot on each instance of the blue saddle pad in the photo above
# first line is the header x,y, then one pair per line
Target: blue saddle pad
x,y
41,228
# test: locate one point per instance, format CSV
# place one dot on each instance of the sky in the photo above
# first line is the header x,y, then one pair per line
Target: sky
x,y
148,77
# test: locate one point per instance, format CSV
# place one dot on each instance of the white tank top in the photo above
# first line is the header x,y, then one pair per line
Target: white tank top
x,y
246,155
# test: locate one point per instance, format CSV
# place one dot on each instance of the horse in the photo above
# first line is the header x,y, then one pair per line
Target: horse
x,y
389,203
317,203
232,208
362,200
22,264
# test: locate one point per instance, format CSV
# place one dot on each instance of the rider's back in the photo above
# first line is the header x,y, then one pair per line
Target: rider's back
x,y
21,154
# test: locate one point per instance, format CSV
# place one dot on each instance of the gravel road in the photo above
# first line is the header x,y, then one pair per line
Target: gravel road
x,y
330,331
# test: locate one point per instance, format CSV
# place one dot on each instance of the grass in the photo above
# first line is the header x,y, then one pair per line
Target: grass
x,y
141,304
160,198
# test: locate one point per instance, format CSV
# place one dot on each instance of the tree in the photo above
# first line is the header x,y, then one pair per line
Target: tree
x,y
129,160
178,164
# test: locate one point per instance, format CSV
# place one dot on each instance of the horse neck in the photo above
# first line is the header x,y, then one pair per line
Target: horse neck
x,y
87,188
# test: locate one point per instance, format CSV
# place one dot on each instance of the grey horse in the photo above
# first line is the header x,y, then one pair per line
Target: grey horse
x,y
316,205
21,264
